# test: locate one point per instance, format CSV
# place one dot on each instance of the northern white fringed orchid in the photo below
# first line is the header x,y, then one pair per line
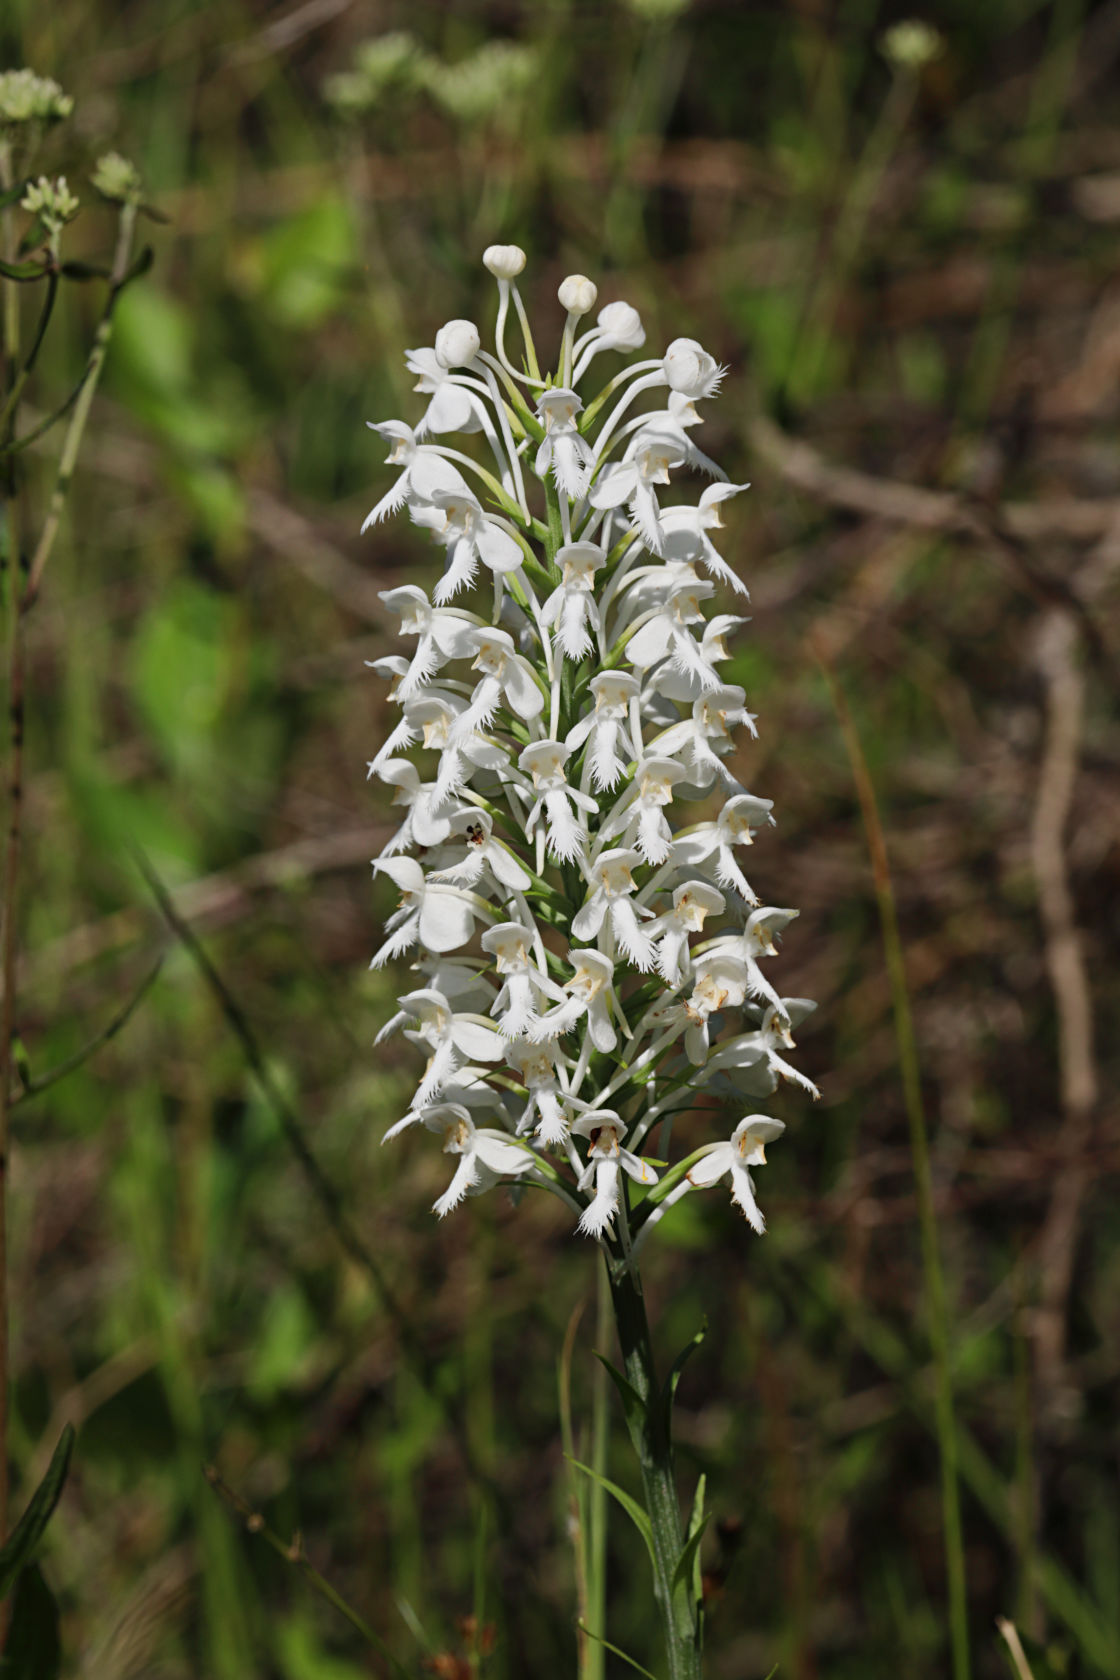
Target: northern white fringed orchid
x,y
746,1148
567,767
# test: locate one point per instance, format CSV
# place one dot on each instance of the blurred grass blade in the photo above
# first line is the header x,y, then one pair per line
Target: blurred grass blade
x,y
33,1087
21,1543
936,1305
32,1650
1009,1633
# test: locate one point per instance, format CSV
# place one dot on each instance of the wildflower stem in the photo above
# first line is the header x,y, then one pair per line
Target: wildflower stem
x,y
11,578
76,429
649,1432
936,1305
597,1493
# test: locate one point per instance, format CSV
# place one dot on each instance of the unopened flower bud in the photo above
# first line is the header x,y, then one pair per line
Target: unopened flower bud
x,y
911,44
116,179
690,370
577,294
622,325
505,262
457,344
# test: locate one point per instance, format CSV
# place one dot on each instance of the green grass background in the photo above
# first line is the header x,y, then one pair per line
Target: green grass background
x,y
924,288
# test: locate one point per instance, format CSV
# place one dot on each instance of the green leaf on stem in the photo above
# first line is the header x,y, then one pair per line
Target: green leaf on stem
x,y
669,1388
75,270
632,1403
32,1650
697,1523
21,1543
140,265
687,1570
24,271
630,1505
614,1650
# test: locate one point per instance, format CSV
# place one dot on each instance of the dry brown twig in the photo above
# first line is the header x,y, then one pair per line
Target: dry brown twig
x,y
1056,656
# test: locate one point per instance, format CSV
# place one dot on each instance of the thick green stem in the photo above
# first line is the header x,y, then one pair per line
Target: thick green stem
x,y
649,1431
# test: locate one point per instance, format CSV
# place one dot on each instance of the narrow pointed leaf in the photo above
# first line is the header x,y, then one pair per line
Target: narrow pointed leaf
x,y
24,1538
686,1565
23,271
614,1650
669,1390
632,1403
630,1505
33,1650
697,1522
75,270
140,266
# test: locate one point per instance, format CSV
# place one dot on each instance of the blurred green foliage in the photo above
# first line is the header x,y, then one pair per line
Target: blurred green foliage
x,y
922,284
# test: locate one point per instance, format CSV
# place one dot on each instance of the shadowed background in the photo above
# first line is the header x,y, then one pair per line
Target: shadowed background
x,y
913,279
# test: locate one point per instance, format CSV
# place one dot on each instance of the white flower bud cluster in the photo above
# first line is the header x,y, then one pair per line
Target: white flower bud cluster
x,y
589,955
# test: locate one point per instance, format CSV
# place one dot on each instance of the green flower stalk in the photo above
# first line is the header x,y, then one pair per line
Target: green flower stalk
x,y
589,955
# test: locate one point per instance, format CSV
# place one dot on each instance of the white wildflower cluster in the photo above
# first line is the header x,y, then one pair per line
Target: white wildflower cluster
x,y
589,955
53,203
28,98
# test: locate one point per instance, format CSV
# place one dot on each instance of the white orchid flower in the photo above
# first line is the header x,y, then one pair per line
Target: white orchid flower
x,y
422,826
462,750
666,634
735,826
450,1039
693,903
457,519
605,728
686,533
757,940
611,885
453,407
562,451
443,632
415,715
506,674
746,1148
572,604
639,817
683,685
590,997
425,471
648,461
701,739
525,984
689,369
543,762
441,917
485,1157
720,981
537,1065
753,1059
673,421
483,853
605,1157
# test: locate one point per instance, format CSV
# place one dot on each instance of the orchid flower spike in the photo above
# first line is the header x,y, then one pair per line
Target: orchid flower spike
x,y
584,953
